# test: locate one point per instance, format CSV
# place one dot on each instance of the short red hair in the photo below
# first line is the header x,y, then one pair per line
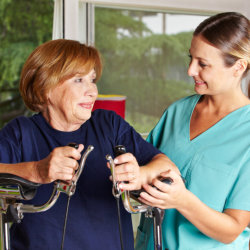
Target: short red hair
x,y
52,63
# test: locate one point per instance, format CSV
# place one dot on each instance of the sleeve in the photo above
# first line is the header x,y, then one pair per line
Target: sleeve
x,y
239,197
135,144
156,134
10,143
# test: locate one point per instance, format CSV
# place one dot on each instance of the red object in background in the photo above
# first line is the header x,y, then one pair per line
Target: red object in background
x,y
111,102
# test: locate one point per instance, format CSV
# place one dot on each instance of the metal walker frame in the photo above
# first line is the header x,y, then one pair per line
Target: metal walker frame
x,y
150,212
13,189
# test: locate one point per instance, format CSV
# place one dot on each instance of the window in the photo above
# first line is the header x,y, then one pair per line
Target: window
x,y
146,59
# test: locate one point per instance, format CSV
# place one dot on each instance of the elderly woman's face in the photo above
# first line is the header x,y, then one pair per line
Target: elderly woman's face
x,y
70,103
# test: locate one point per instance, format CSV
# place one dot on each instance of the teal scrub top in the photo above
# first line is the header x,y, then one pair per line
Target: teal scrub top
x,y
216,167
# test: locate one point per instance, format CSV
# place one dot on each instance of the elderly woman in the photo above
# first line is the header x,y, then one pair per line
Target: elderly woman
x,y
58,81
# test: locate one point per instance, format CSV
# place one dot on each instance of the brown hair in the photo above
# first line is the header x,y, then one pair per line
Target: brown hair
x,y
230,33
52,63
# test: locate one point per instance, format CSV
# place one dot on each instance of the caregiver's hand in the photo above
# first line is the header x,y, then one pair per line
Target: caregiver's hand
x,y
167,196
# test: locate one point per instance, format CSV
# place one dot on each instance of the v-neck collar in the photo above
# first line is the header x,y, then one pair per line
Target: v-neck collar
x,y
190,116
213,126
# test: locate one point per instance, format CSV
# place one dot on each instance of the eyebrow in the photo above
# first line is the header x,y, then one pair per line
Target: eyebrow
x,y
79,75
203,59
199,58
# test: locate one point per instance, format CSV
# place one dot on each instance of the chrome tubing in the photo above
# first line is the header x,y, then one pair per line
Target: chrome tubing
x,y
125,195
116,190
133,209
26,208
10,191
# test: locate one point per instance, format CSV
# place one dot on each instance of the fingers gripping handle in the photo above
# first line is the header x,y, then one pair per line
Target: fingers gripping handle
x,y
70,188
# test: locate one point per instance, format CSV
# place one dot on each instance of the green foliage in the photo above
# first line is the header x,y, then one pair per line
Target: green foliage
x,y
23,26
109,23
12,59
150,69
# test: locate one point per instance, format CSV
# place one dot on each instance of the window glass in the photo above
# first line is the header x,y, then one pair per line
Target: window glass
x,y
24,25
145,58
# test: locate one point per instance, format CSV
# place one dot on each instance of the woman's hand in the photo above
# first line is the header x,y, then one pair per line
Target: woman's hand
x,y
60,164
134,176
167,195
127,171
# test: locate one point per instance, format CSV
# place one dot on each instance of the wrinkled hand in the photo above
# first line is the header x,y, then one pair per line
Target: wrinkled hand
x,y
60,164
168,196
127,170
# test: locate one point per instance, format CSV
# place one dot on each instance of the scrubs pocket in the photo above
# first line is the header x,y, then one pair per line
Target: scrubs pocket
x,y
141,240
211,181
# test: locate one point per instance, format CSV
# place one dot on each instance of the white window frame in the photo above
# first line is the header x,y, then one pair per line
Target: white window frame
x,y
70,25
81,27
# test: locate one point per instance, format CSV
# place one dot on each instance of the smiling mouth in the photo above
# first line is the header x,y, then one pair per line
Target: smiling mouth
x,y
86,105
199,83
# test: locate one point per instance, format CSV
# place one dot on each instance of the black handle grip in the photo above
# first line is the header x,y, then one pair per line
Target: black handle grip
x,y
73,145
119,150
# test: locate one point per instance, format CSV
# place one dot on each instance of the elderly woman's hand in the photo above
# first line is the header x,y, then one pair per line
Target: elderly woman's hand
x,y
127,171
60,164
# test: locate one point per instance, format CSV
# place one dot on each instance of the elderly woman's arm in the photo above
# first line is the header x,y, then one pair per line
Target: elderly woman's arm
x,y
128,170
60,164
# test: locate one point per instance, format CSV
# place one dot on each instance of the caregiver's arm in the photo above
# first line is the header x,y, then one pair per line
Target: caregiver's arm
x,y
224,227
